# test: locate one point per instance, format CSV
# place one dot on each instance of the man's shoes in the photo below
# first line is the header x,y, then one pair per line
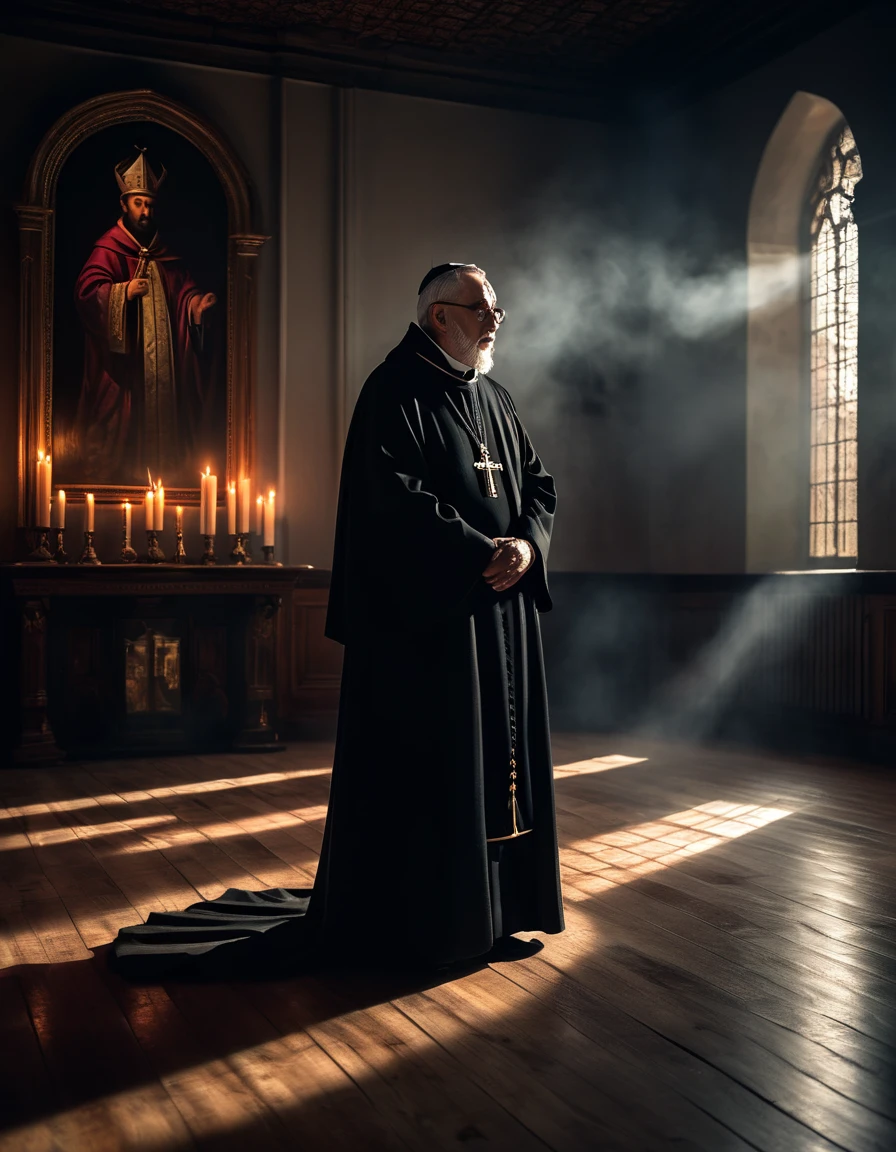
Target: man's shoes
x,y
510,948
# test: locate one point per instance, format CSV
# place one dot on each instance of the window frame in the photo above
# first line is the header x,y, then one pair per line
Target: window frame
x,y
809,210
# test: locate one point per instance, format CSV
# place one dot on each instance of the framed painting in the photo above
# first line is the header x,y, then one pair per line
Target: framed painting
x,y
138,305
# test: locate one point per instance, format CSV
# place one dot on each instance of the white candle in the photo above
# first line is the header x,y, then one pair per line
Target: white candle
x,y
259,515
211,503
90,509
49,483
126,508
158,512
149,512
60,509
231,510
244,519
269,520
178,518
42,492
203,502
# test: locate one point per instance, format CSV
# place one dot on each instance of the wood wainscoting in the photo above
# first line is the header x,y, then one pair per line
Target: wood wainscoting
x,y
802,660
310,665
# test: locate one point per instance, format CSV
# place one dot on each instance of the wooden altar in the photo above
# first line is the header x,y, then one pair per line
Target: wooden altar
x,y
145,659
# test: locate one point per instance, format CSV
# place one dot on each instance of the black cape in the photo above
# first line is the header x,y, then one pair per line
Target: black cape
x,y
420,862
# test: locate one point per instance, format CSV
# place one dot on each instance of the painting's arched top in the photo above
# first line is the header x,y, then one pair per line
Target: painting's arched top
x,y
101,112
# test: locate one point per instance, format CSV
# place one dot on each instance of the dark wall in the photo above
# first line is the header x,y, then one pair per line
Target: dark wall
x,y
690,187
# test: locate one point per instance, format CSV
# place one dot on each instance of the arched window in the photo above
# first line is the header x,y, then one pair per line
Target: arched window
x,y
833,353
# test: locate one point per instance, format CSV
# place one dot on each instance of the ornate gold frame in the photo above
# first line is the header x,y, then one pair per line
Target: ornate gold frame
x,y
37,254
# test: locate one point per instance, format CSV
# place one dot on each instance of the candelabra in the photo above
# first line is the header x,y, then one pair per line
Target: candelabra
x,y
208,556
180,556
128,553
41,553
60,555
240,553
88,556
154,553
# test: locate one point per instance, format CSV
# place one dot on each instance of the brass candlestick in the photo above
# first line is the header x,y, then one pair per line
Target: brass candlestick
x,y
60,555
240,553
41,553
154,553
128,554
208,556
180,556
88,556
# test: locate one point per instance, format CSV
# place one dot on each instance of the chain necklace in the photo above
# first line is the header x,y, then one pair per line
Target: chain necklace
x,y
484,464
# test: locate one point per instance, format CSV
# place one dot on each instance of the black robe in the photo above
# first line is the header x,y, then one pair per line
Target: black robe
x,y
418,850
420,862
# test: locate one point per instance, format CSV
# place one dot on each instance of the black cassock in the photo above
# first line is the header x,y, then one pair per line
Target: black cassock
x,y
429,854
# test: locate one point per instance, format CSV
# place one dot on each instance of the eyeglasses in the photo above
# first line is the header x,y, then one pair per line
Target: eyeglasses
x,y
479,310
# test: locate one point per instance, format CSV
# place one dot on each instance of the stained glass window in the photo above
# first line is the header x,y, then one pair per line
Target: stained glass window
x,y
834,324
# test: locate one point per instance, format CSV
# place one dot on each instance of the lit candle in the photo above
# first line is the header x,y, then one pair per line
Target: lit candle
x,y
211,485
90,509
149,512
178,519
231,509
60,509
42,493
269,520
158,512
48,471
244,518
203,502
259,515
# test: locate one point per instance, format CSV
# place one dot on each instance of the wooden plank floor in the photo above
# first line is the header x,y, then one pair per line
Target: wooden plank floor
x,y
727,979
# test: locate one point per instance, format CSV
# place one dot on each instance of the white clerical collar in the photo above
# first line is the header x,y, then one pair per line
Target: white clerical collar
x,y
455,364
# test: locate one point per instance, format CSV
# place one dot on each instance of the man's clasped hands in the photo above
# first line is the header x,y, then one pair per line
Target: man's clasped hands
x,y
511,560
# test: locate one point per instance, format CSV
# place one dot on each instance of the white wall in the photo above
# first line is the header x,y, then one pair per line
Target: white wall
x,y
379,188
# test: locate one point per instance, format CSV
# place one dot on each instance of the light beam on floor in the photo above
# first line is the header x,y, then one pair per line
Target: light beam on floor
x,y
619,857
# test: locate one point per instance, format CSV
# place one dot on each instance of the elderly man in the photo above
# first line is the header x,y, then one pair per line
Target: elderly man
x,y
441,836
440,841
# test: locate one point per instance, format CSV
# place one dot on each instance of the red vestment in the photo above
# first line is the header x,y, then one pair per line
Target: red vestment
x,y
128,419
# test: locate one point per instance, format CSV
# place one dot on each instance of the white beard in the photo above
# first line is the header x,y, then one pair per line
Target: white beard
x,y
467,350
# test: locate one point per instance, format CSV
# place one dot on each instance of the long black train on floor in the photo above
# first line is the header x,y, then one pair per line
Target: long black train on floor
x,y
421,864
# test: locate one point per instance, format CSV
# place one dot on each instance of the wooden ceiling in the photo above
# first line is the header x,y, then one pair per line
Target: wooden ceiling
x,y
585,57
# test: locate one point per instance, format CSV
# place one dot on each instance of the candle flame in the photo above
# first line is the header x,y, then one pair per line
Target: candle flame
x,y
126,504
233,489
208,470
179,510
149,474
271,494
260,500
60,492
40,456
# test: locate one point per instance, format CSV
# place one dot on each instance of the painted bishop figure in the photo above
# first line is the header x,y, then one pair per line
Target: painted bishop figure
x,y
146,387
